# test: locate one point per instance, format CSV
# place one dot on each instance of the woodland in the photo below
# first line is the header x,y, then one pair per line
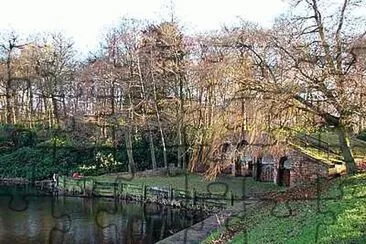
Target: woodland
x,y
152,96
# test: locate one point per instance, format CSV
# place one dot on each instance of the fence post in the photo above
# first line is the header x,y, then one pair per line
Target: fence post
x,y
93,186
115,189
170,195
193,195
231,198
121,188
125,189
119,192
144,192
84,185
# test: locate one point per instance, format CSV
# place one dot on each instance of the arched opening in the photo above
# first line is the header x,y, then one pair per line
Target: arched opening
x,y
281,171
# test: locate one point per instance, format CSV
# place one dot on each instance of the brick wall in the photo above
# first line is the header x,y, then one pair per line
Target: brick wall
x,y
304,169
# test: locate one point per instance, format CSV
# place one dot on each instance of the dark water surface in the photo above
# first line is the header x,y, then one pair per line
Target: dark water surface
x,y
26,217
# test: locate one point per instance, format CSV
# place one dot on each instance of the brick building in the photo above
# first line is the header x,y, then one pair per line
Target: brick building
x,y
295,168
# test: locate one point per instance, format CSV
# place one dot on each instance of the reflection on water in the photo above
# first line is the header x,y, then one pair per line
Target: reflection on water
x,y
28,218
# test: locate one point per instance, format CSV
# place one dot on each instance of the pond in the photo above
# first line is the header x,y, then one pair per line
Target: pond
x,y
27,217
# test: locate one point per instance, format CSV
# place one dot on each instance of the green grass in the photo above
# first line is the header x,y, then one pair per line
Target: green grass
x,y
358,146
324,221
318,154
234,184
212,237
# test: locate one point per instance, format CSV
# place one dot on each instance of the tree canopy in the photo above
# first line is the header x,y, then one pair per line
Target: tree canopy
x,y
191,100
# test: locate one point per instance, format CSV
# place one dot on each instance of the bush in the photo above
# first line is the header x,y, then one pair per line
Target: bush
x,y
15,136
37,153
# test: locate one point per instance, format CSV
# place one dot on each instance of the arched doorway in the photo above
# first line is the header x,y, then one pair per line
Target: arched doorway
x,y
281,172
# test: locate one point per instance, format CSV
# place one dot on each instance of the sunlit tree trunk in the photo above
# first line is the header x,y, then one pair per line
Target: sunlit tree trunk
x,y
8,89
128,136
345,149
128,141
165,159
181,146
144,97
55,109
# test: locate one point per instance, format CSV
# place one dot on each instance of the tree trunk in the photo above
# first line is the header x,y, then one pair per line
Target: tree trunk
x,y
360,117
15,107
44,105
180,145
186,156
55,109
160,126
64,105
30,103
346,150
152,149
8,93
181,148
144,109
128,140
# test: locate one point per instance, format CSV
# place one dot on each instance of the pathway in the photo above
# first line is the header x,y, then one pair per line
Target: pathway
x,y
200,231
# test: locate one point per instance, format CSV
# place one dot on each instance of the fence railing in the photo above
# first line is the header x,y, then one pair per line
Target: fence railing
x,y
90,187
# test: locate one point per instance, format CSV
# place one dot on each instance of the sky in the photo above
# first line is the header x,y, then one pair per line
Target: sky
x,y
85,21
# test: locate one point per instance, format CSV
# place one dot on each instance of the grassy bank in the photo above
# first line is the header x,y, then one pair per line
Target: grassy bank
x,y
337,216
331,150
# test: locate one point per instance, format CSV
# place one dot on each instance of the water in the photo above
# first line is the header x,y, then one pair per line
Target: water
x,y
26,217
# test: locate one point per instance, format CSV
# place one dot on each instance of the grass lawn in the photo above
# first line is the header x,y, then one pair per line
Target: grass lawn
x,y
358,146
329,140
322,220
220,185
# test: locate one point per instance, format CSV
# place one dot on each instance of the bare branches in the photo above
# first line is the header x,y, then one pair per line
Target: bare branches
x,y
338,34
224,86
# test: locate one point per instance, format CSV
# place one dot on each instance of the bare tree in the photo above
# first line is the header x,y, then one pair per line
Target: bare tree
x,y
309,58
54,66
10,51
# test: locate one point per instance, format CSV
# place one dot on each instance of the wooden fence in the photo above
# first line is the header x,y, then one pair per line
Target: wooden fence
x,y
88,187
